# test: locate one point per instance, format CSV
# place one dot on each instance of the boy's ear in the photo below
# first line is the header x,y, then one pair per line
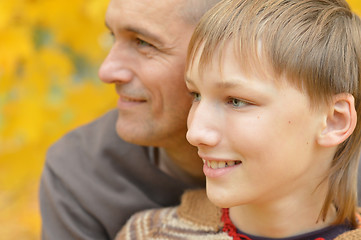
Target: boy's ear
x,y
340,122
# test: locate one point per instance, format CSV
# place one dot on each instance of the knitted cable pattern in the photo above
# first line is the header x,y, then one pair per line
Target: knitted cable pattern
x,y
195,219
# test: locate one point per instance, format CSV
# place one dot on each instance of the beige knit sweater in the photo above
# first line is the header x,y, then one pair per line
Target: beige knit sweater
x,y
195,219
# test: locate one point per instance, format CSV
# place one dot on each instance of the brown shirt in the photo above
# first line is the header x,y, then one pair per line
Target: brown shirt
x,y
93,181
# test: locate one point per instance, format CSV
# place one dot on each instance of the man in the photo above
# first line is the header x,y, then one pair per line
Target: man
x,y
136,157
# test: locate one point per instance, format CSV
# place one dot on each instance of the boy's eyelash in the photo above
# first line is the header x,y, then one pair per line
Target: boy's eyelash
x,y
236,102
196,96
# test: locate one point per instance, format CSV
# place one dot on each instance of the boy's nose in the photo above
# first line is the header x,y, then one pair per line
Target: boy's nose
x,y
202,128
116,66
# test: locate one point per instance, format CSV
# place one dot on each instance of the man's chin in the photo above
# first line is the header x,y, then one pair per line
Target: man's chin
x,y
133,134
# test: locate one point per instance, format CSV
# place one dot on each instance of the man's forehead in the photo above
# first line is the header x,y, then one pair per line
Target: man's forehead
x,y
160,12
153,19
152,9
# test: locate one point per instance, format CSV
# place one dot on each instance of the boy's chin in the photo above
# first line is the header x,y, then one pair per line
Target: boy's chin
x,y
222,199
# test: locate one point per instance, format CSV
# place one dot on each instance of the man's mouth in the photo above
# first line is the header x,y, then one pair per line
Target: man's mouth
x,y
220,164
130,99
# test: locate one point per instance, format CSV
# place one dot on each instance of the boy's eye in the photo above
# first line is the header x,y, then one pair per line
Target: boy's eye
x,y
196,96
236,102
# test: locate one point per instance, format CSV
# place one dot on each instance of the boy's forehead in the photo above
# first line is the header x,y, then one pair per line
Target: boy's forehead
x,y
226,60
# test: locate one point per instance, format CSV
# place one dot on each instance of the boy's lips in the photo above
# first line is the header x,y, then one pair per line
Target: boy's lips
x,y
217,167
216,164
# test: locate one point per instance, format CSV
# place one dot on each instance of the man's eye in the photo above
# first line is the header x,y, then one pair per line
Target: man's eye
x,y
110,38
236,102
196,96
143,43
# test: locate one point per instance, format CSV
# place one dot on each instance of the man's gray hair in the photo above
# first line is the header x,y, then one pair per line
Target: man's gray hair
x,y
192,10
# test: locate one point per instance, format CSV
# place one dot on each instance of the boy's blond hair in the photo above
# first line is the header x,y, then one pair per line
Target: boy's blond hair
x,y
316,45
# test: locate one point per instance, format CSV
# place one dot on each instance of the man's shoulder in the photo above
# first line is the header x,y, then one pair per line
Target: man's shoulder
x,y
91,143
90,172
99,132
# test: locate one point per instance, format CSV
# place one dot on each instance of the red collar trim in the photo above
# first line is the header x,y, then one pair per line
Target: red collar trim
x,y
358,218
231,230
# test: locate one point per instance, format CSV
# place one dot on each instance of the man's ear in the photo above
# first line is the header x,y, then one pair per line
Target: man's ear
x,y
341,121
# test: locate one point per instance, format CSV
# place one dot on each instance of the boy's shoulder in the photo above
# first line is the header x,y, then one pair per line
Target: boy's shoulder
x,y
354,234
351,235
195,218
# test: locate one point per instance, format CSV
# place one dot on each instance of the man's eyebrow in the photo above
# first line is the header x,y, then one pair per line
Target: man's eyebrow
x,y
144,32
140,31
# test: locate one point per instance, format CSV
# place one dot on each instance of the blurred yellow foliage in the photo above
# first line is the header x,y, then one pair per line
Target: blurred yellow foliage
x,y
49,54
50,51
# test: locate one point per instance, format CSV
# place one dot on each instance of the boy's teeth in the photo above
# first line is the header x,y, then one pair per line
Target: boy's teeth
x,y
221,164
231,163
214,164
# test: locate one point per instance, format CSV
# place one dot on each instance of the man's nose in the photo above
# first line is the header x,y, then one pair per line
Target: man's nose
x,y
203,129
116,67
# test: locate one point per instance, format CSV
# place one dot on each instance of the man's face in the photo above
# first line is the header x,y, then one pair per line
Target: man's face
x,y
146,64
257,138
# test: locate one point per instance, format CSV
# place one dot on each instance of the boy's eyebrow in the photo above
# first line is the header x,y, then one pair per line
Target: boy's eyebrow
x,y
187,79
223,84
140,31
228,84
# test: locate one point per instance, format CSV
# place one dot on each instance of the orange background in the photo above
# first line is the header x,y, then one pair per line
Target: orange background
x,y
50,51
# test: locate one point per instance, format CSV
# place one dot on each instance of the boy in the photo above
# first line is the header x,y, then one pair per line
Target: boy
x,y
276,87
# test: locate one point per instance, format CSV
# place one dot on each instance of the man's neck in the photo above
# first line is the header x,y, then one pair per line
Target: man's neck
x,y
182,163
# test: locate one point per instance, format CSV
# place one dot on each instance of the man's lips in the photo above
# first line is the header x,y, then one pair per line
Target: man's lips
x,y
131,99
127,103
130,95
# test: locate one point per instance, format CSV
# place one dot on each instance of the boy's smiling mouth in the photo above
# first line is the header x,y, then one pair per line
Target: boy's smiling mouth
x,y
215,167
220,164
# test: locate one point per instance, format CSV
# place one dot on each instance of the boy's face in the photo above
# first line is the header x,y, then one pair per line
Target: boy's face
x,y
265,132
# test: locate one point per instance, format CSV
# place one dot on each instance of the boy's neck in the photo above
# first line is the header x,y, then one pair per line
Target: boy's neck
x,y
286,218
